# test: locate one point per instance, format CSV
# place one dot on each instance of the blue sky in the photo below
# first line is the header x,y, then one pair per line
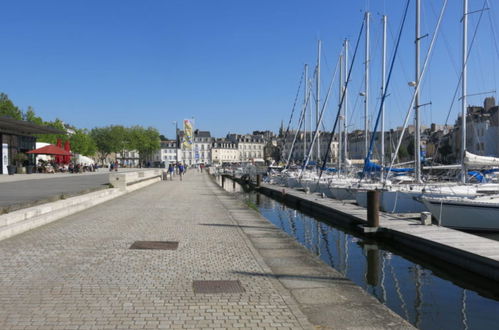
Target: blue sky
x,y
232,65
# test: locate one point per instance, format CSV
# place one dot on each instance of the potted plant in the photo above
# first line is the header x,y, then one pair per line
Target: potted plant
x,y
29,168
11,169
19,158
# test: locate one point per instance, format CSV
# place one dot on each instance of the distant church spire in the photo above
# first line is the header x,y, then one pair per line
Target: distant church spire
x,y
281,129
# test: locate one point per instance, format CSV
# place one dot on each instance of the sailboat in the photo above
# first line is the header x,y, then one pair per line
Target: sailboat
x,y
477,214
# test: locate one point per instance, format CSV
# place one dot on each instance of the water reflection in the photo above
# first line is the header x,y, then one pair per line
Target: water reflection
x,y
428,296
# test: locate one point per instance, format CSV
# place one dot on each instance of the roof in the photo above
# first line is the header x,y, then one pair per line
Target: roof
x,y
21,127
198,133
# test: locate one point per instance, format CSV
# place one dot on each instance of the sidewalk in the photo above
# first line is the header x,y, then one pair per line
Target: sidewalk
x,y
38,176
79,273
24,190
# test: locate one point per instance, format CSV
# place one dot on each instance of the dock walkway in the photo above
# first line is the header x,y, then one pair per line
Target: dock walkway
x,y
470,252
80,273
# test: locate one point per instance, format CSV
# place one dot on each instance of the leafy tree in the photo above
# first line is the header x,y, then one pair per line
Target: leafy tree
x,y
145,141
31,116
82,143
106,140
52,138
403,153
410,147
8,109
123,137
163,138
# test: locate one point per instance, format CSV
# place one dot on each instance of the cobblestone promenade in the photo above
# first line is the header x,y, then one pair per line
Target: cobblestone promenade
x,y
79,273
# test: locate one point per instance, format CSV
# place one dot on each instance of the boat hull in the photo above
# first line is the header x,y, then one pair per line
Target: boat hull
x,y
465,216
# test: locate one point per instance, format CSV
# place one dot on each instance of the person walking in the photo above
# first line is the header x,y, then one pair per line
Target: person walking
x,y
170,170
181,169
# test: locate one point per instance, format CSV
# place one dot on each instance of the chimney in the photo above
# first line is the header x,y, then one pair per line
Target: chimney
x,y
489,103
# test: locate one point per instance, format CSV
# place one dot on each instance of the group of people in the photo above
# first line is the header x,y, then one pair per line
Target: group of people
x,y
114,166
53,167
177,168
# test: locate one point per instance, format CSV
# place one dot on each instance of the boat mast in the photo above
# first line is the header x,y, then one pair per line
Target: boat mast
x,y
317,100
345,104
383,81
340,90
366,90
417,136
305,116
463,90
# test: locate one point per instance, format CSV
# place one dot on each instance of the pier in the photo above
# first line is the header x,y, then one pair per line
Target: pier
x,y
175,254
470,252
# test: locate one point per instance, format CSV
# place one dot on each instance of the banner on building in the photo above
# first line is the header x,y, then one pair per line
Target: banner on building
x,y
188,139
5,157
196,153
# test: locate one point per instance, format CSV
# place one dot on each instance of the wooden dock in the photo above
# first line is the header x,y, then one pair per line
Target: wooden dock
x,y
469,252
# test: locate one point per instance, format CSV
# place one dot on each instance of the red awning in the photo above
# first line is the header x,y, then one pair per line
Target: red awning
x,y
50,150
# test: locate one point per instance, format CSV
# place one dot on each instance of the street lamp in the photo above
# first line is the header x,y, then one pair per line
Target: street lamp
x,y
176,142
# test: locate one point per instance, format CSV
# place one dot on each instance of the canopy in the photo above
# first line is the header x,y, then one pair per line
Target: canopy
x,y
50,150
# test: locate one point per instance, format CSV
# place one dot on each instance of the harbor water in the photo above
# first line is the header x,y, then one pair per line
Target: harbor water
x,y
428,294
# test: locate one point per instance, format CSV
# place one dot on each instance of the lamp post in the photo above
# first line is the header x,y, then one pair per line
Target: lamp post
x,y
177,144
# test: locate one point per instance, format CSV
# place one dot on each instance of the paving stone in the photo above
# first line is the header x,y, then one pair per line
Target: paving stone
x,y
79,272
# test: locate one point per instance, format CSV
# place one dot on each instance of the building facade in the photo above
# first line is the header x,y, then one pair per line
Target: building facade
x,y
128,158
302,145
251,147
224,151
200,151
167,154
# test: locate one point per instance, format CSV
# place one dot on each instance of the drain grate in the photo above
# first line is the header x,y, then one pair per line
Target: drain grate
x,y
217,287
154,245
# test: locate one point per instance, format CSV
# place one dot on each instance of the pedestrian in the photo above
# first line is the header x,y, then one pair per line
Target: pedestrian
x,y
181,169
170,170
116,166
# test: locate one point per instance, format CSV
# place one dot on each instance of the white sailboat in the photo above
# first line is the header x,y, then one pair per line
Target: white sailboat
x,y
478,214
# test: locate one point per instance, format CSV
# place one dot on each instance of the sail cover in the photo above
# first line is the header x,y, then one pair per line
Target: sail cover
x,y
471,160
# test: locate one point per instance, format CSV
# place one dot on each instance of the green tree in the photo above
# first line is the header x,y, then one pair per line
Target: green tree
x,y
124,139
82,143
410,147
31,116
52,138
403,153
8,109
107,140
145,141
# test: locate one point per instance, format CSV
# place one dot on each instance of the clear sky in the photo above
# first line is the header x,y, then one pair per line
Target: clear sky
x,y
233,65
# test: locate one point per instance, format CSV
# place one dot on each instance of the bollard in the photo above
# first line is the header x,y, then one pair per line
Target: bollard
x,y
426,218
223,181
258,180
234,185
373,208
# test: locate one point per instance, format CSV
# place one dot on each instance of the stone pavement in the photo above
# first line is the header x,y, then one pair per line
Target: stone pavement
x,y
79,273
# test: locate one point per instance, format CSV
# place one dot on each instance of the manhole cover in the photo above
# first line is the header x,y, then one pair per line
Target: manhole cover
x,y
154,245
217,287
